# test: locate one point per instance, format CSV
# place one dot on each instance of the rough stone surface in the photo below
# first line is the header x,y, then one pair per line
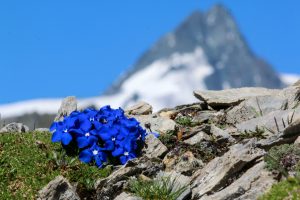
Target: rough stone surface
x,y
185,163
297,141
141,108
221,135
268,121
108,188
157,123
68,105
215,174
126,196
254,181
14,128
180,181
154,147
231,97
293,128
255,107
197,138
58,189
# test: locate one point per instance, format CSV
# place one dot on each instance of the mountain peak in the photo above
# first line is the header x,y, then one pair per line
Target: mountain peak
x,y
214,37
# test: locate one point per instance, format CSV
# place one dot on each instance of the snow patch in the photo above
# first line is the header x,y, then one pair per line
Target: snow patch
x,y
289,79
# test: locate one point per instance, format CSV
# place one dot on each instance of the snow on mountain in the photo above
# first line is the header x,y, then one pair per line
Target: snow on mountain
x,y
289,79
164,83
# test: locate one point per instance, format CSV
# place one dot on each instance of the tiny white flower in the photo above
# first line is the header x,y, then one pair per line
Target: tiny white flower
x,y
87,134
113,139
126,153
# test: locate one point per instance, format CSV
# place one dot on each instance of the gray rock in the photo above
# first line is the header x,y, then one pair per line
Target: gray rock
x,y
204,116
268,121
197,138
297,141
180,181
141,108
68,105
217,172
292,94
293,128
185,163
255,107
158,124
58,189
254,181
108,188
154,148
14,128
221,135
231,97
126,196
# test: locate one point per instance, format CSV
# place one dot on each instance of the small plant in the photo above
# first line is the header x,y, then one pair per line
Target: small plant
x,y
157,189
287,189
283,158
258,133
169,138
100,136
185,121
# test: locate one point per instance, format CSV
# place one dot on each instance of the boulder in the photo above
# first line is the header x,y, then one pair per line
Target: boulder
x,y
197,138
293,128
254,107
268,122
108,188
254,182
156,123
14,128
58,189
231,97
218,171
221,135
154,148
68,105
141,108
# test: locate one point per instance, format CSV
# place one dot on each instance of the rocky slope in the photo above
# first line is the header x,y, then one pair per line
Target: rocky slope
x,y
214,148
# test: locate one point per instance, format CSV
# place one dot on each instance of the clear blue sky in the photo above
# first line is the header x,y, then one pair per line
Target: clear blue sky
x,y
55,48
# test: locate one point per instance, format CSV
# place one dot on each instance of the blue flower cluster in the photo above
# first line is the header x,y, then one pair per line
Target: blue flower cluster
x,y
101,135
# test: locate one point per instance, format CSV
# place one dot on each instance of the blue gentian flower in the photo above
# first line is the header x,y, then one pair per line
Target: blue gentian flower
x,y
61,130
94,153
100,134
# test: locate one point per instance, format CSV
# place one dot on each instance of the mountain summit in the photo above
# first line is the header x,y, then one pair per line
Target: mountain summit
x,y
206,51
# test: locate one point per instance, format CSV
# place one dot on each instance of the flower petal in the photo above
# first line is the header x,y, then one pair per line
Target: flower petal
x,y
66,138
56,136
82,142
86,156
117,152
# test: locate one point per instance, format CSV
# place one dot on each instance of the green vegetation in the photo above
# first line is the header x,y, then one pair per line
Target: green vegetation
x,y
29,161
185,121
169,138
158,189
258,133
287,189
283,158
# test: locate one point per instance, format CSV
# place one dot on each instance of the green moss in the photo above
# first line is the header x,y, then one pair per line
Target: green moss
x,y
159,189
288,189
29,161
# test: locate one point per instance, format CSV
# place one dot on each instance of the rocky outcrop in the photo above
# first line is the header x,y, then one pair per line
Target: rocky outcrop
x,y
68,105
213,148
14,128
58,189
